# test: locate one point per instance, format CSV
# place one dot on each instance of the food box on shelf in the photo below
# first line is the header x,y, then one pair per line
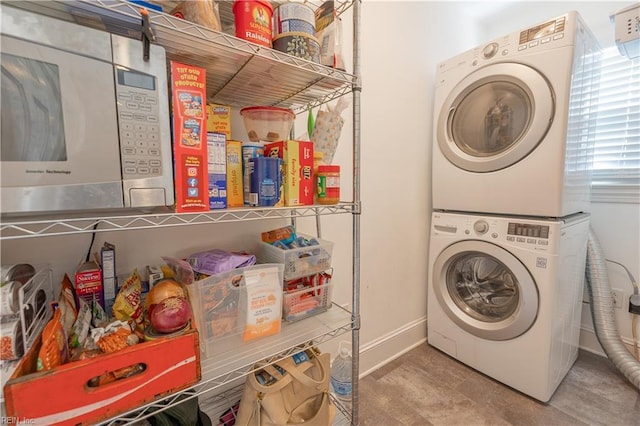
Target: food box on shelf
x,y
219,119
217,169
238,305
306,296
63,395
188,92
297,165
298,262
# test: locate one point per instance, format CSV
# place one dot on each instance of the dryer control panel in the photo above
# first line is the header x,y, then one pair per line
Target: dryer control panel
x,y
543,31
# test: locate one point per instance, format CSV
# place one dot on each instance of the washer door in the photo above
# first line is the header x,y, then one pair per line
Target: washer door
x,y
485,290
495,117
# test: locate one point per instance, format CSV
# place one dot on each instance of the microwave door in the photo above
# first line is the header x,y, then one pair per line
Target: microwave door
x,y
59,147
31,89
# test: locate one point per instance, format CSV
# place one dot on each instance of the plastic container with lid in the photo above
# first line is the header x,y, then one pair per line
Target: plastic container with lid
x,y
253,21
328,188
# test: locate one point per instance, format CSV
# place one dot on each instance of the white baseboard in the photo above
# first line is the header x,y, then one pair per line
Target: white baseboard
x,y
390,346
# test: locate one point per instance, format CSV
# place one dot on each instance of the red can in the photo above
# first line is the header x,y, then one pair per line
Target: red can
x,y
253,21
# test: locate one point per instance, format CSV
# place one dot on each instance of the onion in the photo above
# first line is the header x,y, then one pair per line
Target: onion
x,y
171,314
161,290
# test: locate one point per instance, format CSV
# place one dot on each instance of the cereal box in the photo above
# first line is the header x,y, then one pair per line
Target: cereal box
x,y
235,197
297,160
188,90
217,167
219,119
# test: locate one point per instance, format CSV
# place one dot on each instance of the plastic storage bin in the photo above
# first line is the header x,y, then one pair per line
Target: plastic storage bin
x,y
298,262
237,305
312,298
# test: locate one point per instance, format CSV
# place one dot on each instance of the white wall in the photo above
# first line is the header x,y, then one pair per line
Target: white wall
x,y
401,44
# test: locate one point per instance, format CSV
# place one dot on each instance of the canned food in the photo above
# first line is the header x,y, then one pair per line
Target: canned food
x,y
294,17
297,11
253,21
249,150
21,272
10,297
11,342
298,44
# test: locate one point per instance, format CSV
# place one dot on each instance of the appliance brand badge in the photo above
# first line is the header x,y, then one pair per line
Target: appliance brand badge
x,y
541,262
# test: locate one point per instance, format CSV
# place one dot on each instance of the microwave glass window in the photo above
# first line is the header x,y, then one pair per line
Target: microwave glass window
x,y
31,117
136,79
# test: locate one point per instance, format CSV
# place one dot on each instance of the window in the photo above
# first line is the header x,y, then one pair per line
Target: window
x,y
616,164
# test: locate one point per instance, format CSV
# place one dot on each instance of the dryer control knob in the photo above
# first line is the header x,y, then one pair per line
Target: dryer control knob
x,y
490,50
481,227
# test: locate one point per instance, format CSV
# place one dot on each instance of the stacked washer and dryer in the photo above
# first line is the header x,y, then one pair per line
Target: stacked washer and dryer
x,y
511,197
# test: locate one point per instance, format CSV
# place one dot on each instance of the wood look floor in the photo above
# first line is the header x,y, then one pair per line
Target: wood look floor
x,y
427,387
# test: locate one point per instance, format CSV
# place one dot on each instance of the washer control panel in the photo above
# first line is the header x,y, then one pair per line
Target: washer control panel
x,y
528,233
524,233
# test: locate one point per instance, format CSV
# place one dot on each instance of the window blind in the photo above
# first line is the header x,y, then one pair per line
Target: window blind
x,y
616,158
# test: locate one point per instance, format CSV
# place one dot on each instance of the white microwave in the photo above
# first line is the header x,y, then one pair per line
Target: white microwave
x,y
85,119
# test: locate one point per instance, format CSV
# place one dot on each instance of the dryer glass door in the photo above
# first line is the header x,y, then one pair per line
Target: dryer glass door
x,y
495,117
486,290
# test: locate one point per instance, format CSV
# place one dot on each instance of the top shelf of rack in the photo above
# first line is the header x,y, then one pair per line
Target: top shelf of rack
x,y
239,73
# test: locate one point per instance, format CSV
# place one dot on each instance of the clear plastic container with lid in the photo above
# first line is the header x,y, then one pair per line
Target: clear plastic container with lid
x,y
328,184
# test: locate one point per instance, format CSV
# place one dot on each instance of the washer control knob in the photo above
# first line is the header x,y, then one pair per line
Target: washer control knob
x,y
481,227
490,50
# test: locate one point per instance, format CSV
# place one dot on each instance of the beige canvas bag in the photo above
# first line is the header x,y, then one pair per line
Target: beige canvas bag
x,y
298,395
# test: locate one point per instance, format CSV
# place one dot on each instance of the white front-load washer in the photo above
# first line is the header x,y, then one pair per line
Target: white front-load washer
x,y
505,295
513,123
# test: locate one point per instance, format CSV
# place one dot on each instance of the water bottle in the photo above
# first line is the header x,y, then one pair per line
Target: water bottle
x,y
341,376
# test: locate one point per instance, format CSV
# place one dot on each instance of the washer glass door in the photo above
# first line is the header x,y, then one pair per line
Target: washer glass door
x,y
495,117
485,290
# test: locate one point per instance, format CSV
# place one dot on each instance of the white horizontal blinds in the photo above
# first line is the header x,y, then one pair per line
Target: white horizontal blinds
x,y
617,136
581,124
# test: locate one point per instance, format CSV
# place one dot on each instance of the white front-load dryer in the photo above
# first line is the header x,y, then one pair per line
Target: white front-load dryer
x,y
505,295
513,123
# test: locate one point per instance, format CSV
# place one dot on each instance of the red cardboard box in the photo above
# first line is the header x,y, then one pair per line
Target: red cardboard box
x,y
297,161
62,396
88,283
188,95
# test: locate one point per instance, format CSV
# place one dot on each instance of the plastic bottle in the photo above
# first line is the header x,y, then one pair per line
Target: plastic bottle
x,y
341,376
328,187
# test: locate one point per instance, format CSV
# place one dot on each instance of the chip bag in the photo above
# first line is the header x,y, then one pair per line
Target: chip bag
x,y
54,350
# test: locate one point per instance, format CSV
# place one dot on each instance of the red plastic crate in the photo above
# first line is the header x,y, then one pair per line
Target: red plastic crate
x,y
61,396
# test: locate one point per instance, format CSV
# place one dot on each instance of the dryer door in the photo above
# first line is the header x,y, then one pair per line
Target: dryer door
x,y
495,117
485,290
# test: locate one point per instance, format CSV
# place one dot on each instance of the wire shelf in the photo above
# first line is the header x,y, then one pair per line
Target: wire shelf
x,y
238,73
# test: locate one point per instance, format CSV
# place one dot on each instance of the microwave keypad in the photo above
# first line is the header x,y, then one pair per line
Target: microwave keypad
x,y
139,135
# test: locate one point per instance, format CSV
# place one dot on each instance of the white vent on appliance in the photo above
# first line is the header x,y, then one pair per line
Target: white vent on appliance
x,y
626,23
